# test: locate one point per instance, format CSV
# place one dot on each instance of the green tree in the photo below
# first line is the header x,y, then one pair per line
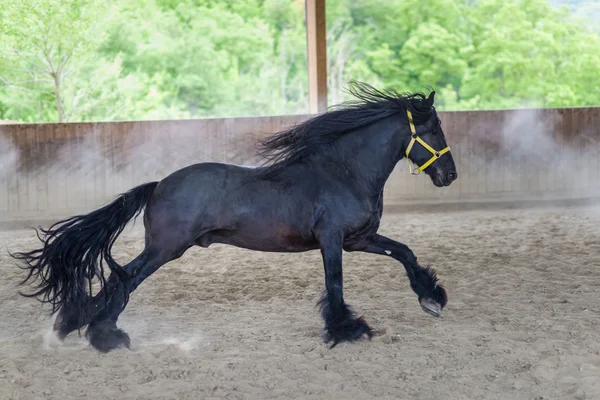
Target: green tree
x,y
153,59
48,57
478,54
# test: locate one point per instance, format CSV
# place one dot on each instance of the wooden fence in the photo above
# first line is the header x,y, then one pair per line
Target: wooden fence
x,y
55,170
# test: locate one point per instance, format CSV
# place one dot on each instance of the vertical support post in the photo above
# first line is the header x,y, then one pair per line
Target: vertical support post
x,y
316,41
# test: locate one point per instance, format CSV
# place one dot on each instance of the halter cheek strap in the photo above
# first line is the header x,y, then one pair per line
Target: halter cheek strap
x,y
415,138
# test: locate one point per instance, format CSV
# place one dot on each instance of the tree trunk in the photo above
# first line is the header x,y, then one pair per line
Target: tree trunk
x,y
284,66
59,105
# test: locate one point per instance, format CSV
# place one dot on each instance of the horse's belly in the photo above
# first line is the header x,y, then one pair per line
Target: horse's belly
x,y
270,240
269,246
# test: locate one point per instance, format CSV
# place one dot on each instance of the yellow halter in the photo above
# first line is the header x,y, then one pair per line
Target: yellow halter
x,y
415,138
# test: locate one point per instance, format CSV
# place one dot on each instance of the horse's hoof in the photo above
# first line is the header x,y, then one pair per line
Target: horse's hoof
x,y
105,337
431,307
349,330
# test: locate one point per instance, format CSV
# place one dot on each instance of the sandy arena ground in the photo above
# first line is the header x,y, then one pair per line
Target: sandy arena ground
x,y
522,320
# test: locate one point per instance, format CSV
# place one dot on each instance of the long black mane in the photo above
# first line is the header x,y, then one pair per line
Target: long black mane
x,y
290,145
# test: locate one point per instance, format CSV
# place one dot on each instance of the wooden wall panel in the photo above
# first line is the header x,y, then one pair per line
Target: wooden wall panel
x,y
67,168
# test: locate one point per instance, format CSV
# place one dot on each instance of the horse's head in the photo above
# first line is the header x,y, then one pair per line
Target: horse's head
x,y
428,149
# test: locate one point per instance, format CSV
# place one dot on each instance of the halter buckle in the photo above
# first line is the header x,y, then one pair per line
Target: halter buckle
x,y
411,168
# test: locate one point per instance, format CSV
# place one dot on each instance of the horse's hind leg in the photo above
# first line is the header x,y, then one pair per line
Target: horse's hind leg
x,y
70,318
102,331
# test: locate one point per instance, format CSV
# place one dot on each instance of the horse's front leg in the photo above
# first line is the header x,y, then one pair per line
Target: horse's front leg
x,y
432,296
341,324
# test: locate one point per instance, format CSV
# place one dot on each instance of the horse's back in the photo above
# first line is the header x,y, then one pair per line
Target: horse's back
x,y
192,194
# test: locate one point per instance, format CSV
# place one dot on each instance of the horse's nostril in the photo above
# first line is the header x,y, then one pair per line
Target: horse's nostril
x,y
452,176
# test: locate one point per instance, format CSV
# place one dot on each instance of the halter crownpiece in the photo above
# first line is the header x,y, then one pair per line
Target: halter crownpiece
x,y
415,138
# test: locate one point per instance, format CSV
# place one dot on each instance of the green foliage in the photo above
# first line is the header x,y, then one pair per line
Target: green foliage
x,y
87,60
478,53
42,43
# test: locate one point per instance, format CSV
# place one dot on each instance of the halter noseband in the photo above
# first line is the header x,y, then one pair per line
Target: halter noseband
x,y
415,138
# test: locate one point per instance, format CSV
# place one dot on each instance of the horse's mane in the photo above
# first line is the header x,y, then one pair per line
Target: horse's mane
x,y
372,105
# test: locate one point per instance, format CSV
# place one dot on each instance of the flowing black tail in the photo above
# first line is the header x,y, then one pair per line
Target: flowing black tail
x,y
75,250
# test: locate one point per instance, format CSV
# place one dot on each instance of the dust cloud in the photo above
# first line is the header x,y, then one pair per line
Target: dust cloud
x,y
9,158
570,167
534,164
56,178
9,162
508,156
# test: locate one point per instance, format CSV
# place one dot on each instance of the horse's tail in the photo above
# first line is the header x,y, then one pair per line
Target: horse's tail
x,y
75,250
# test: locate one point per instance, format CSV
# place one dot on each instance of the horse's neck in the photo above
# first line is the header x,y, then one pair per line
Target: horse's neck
x,y
370,154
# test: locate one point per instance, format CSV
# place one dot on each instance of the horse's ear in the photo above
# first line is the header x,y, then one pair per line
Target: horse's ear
x,y
429,101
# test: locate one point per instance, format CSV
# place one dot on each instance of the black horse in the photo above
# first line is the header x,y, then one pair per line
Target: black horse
x,y
323,189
